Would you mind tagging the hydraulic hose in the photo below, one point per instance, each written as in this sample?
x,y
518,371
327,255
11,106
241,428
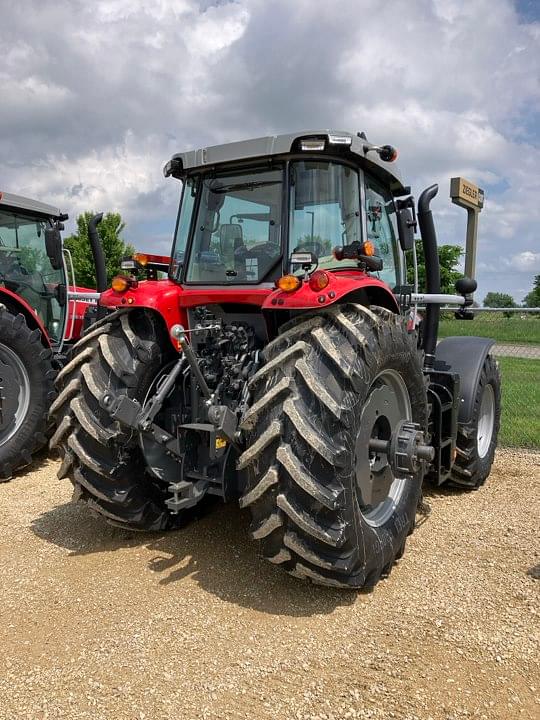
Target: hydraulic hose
x,y
433,275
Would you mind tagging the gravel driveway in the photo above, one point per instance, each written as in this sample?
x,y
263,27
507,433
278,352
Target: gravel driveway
x,y
99,623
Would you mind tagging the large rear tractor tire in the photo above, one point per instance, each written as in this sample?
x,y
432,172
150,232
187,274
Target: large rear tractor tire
x,y
123,353
477,441
26,390
323,505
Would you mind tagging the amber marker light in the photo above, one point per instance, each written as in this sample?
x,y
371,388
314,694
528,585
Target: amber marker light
x,y
141,258
319,280
369,248
288,283
120,283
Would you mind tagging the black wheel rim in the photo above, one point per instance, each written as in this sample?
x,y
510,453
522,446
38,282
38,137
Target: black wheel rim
x,y
16,393
379,490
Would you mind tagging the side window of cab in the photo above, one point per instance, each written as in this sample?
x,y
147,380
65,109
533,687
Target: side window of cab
x,y
382,230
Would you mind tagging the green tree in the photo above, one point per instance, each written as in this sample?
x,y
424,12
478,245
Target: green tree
x,y
448,262
532,299
307,241
114,248
499,300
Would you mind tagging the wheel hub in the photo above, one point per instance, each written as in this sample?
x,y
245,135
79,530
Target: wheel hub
x,y
486,421
388,447
379,417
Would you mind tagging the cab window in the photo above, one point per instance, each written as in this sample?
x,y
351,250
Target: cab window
x,y
382,230
237,234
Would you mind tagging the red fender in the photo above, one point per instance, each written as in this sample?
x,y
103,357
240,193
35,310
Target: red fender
x,y
171,301
76,311
32,319
340,285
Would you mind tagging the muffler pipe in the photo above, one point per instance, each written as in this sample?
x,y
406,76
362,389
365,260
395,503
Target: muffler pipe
x,y
433,275
99,260
97,252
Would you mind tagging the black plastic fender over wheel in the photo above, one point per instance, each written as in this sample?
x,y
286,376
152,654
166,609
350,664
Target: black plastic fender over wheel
x,y
26,392
324,506
477,440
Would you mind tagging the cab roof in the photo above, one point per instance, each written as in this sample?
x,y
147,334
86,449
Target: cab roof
x,y
18,202
353,146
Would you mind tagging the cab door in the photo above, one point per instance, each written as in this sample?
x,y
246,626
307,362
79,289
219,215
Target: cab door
x,y
26,270
381,229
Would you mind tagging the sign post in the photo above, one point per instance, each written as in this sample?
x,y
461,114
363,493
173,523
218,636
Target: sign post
x,y
469,196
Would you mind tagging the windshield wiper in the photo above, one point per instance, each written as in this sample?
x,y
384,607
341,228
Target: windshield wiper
x,y
244,186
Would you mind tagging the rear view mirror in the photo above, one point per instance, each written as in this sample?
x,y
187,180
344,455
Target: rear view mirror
x,y
53,246
405,228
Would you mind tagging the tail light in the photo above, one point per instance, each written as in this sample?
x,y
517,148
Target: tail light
x,y
319,280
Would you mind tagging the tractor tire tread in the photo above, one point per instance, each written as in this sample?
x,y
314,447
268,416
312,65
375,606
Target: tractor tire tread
x,y
296,445
101,458
18,450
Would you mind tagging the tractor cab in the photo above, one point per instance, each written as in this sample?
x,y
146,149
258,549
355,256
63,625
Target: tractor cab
x,y
32,271
315,200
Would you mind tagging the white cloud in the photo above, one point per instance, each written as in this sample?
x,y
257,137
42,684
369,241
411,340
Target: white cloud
x,y
97,96
526,261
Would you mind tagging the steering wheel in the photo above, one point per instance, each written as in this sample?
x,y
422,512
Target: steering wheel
x,y
315,247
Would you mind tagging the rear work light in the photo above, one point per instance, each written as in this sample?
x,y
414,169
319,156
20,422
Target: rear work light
x,y
335,139
289,283
319,280
128,264
312,144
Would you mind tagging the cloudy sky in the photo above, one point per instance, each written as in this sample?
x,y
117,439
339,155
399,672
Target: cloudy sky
x,y
96,96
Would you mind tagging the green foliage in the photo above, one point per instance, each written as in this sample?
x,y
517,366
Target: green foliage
x,y
33,259
499,300
520,421
307,241
532,299
114,248
520,329
448,260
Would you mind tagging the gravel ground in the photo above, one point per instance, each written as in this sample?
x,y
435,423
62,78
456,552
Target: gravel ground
x,y
99,623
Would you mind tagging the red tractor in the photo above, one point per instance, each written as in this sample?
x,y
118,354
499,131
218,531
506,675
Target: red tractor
x,y
277,364
41,315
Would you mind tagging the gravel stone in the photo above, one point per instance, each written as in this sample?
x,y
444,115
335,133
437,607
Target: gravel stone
x,y
100,623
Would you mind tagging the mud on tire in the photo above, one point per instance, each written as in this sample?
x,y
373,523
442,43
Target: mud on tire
x,y
123,352
300,438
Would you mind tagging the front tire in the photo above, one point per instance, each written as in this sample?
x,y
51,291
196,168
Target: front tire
x,y
477,441
27,390
316,402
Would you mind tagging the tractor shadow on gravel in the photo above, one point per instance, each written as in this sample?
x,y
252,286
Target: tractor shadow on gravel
x,y
213,548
